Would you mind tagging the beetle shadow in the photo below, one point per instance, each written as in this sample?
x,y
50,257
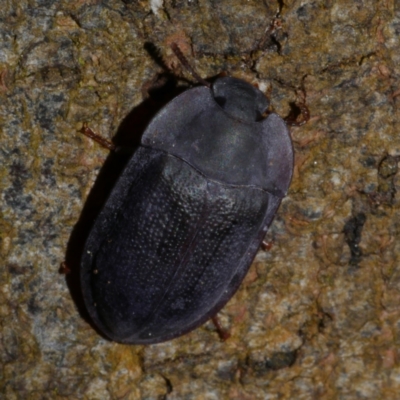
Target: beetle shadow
x,y
127,140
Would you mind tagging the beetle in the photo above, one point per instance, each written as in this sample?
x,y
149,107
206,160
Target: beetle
x,y
184,221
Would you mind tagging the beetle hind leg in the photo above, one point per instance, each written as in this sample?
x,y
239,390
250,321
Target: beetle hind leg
x,y
222,333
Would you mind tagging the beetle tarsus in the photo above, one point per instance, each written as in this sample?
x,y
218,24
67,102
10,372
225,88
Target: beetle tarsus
x,y
222,333
97,138
183,60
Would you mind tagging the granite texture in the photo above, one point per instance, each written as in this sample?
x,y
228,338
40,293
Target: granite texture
x,y
318,315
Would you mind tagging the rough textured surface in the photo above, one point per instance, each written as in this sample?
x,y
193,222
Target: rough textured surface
x,y
318,315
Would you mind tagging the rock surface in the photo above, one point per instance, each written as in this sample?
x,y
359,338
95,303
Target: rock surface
x,y
318,315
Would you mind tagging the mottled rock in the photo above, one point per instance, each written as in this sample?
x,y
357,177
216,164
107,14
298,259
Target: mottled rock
x,y
318,315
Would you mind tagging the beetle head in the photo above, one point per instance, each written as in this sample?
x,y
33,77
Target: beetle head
x,y
240,99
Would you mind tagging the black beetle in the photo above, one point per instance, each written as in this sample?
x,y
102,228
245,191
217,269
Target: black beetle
x,y
188,214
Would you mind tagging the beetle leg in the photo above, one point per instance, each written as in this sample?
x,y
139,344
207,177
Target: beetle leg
x,y
222,333
175,48
266,246
299,109
64,269
97,138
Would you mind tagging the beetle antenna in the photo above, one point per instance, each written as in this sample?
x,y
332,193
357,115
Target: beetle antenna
x,y
183,60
